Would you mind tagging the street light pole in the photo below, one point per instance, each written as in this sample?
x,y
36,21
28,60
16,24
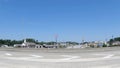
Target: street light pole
x,y
56,41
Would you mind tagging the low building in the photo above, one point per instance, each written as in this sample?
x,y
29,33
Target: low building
x,y
117,43
96,44
50,46
28,45
63,43
4,46
74,46
18,45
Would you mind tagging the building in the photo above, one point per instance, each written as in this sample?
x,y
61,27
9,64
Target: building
x,y
117,43
27,45
96,44
4,46
50,46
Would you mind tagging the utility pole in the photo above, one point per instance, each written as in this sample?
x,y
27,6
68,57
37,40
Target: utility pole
x,y
56,41
83,40
112,37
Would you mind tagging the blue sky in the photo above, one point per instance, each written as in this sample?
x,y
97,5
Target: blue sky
x,y
71,20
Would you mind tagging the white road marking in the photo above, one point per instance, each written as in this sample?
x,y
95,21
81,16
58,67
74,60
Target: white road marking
x,y
37,56
55,60
69,57
99,54
66,59
108,56
8,54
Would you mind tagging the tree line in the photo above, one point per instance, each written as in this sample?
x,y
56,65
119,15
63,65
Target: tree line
x,y
113,40
12,42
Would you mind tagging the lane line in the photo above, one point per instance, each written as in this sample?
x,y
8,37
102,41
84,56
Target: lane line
x,y
8,54
108,56
100,54
55,60
69,57
36,56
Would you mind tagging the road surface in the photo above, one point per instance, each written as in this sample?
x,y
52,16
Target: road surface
x,y
60,58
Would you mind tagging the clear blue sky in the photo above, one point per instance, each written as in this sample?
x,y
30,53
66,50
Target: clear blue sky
x,y
72,20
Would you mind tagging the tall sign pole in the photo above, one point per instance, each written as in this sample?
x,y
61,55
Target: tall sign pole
x,y
56,39
112,37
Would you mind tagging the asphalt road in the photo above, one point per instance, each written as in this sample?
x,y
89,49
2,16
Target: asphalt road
x,y
60,58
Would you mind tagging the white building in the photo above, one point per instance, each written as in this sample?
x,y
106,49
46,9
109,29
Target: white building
x,y
116,43
4,46
28,45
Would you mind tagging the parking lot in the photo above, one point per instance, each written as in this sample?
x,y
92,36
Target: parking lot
x,y
60,58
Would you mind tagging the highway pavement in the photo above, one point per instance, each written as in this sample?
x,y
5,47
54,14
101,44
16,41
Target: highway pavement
x,y
60,58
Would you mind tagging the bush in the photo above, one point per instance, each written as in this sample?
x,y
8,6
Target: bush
x,y
104,45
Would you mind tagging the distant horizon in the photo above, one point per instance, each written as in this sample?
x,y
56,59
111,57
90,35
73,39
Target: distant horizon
x,y
71,20
61,41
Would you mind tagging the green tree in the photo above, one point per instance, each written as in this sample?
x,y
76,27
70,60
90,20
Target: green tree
x,y
31,40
